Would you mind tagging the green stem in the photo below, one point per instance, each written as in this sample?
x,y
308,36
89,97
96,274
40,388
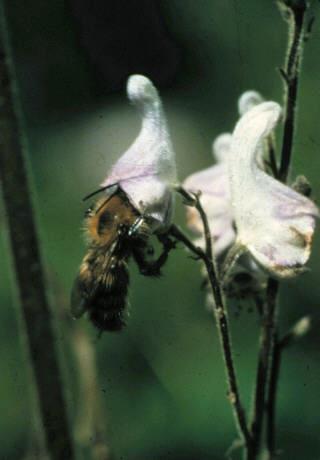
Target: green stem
x,y
34,303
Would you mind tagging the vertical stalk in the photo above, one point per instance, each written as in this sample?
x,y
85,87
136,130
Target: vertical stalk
x,y
35,308
266,348
271,400
295,14
220,316
90,428
222,322
291,73
298,331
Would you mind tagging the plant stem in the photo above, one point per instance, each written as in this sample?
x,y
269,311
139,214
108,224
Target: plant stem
x,y
291,75
296,14
280,344
267,344
90,429
271,400
34,303
221,321
233,254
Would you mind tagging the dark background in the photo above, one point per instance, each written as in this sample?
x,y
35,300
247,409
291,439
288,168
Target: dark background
x,y
162,379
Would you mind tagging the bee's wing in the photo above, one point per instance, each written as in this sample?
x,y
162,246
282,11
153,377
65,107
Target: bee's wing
x,y
94,267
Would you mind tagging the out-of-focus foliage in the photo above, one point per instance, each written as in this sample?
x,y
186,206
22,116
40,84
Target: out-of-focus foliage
x,y
162,379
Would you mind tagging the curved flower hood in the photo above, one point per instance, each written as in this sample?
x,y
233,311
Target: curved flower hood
x,y
213,183
146,172
274,222
248,100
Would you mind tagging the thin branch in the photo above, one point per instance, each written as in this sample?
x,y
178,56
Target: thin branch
x,y
38,322
291,72
233,254
221,320
298,331
180,236
266,348
296,15
272,399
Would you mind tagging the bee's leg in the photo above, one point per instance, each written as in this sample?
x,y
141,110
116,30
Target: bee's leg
x,y
153,267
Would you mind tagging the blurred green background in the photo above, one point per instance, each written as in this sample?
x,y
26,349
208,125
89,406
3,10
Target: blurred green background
x,y
161,380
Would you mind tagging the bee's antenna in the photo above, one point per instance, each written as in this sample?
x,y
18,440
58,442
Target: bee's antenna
x,y
98,191
104,203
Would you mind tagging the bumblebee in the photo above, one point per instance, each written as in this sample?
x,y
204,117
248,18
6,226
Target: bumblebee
x,y
115,231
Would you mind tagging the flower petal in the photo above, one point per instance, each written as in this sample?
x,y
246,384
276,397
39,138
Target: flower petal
x,y
213,184
147,170
248,100
221,147
274,222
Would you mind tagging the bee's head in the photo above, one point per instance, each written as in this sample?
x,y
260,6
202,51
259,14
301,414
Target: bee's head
x,y
114,217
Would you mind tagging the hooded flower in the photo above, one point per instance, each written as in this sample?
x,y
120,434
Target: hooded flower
x,y
273,222
213,183
146,172
248,100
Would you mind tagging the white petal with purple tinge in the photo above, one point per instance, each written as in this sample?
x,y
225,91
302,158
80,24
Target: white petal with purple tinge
x,y
273,221
146,172
213,183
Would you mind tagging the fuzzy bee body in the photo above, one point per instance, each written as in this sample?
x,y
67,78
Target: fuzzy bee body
x,y
113,227
115,231
101,288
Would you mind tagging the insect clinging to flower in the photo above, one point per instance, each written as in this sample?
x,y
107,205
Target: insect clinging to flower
x,y
136,202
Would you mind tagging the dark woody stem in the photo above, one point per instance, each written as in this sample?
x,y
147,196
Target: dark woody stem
x,y
290,74
266,346
38,330
220,315
280,344
295,11
272,399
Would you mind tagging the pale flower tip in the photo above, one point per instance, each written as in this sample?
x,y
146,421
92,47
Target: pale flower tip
x,y
140,89
274,222
258,122
221,147
302,327
248,100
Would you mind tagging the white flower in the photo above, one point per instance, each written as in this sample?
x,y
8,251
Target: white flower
x,y
215,198
146,172
213,183
273,222
248,100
